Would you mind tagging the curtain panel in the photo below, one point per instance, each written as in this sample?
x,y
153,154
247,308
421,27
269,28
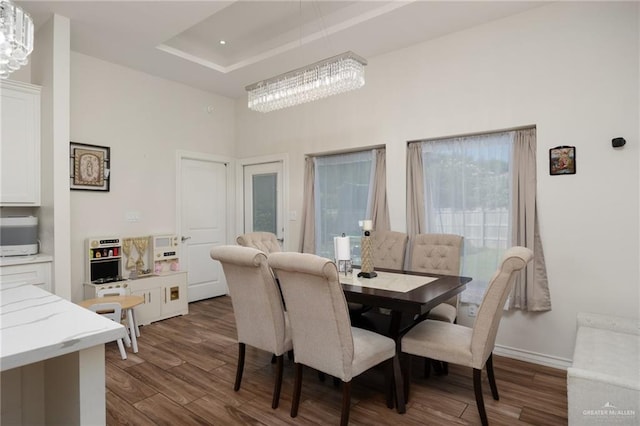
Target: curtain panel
x,y
308,240
416,221
531,288
379,206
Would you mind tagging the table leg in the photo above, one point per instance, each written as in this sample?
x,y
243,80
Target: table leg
x,y
394,325
133,314
132,329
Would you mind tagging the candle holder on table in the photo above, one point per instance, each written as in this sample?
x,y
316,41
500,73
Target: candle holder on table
x,y
366,270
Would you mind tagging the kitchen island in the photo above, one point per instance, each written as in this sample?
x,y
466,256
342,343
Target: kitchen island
x,y
51,358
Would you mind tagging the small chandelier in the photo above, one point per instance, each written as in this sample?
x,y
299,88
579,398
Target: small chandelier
x,y
16,38
328,77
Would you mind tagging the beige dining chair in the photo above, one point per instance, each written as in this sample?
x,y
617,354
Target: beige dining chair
x,y
113,311
438,254
389,249
265,241
261,321
469,346
323,337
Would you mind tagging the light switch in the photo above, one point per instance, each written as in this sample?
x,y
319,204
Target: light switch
x,y
293,215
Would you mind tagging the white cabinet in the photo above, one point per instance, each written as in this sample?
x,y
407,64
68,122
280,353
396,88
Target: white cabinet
x,y
164,296
36,272
20,144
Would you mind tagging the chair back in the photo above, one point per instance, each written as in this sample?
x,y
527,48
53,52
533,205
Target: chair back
x,y
317,309
490,311
436,253
389,249
265,241
104,292
257,305
112,310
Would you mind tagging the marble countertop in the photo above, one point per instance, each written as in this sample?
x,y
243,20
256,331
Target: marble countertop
x,y
36,325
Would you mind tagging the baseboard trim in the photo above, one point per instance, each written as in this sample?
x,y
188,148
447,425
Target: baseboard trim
x,y
532,357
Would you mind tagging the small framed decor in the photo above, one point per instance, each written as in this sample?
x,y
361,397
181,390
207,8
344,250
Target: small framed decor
x,y
562,160
90,167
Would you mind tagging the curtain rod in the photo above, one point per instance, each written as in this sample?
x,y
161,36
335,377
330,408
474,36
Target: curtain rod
x,y
345,151
462,135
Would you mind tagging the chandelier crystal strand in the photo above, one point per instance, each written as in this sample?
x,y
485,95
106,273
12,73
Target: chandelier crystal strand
x,y
16,38
331,76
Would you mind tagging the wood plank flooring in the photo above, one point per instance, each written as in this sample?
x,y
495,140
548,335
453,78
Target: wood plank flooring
x,y
185,370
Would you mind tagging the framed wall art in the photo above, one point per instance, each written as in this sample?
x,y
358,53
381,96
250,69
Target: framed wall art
x,y
562,160
90,167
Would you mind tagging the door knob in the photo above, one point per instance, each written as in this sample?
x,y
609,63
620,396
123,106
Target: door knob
x,y
183,239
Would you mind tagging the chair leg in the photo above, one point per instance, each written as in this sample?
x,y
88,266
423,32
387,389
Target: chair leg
x,y
278,381
241,349
127,340
346,403
389,382
477,387
290,355
406,374
123,353
297,389
492,379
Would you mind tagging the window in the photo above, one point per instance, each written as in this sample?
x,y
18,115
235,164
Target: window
x,y
343,191
467,191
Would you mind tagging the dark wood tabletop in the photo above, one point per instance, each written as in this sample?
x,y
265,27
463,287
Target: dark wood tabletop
x,y
408,304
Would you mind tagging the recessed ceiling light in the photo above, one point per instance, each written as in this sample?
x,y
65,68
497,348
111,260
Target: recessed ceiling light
x,y
222,42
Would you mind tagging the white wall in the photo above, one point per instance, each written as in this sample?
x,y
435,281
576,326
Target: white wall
x,y
144,120
571,69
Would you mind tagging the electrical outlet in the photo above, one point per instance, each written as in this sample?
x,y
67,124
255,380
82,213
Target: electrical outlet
x,y
472,310
132,216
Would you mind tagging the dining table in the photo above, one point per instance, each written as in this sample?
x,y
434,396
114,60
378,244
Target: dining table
x,y
407,296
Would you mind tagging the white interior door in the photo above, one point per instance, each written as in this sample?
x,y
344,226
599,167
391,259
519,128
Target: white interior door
x,y
203,215
264,198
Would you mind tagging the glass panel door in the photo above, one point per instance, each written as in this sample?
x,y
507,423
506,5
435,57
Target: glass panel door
x,y
263,203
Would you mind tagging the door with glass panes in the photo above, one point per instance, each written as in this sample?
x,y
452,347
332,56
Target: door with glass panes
x,y
263,198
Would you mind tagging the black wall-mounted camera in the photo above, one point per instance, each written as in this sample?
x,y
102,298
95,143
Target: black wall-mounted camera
x,y
618,142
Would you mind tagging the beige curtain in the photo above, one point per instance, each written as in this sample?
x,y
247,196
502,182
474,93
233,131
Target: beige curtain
x,y
379,206
531,289
416,221
308,240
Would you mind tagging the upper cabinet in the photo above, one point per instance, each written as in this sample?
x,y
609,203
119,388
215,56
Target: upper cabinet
x,y
20,144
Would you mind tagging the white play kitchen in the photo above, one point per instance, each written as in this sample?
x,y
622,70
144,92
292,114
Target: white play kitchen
x,y
147,266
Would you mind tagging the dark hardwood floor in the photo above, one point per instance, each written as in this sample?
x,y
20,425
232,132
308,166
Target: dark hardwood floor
x,y
185,370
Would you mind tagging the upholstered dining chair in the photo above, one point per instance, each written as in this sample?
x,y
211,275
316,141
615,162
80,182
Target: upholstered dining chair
x,y
113,311
265,241
389,249
261,321
323,338
438,254
469,346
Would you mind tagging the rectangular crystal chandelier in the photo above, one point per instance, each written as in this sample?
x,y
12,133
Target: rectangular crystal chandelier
x,y
332,76
16,38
